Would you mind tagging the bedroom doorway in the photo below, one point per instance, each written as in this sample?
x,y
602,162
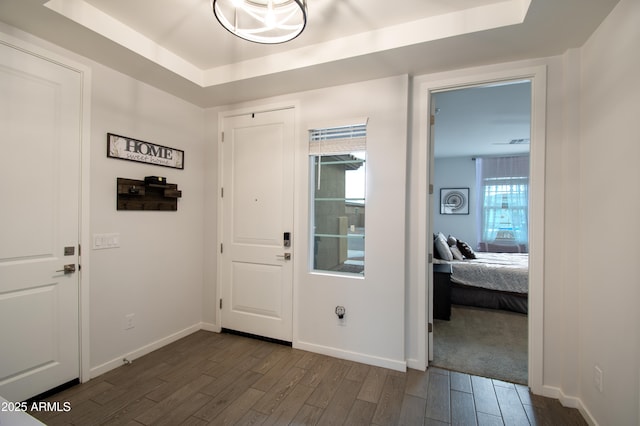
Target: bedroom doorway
x,y
480,205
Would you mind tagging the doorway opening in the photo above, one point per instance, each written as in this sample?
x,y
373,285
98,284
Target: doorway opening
x,y
480,207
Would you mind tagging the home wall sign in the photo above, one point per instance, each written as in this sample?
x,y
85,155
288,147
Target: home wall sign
x,y
125,148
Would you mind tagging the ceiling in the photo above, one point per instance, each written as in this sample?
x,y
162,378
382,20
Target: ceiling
x,y
179,47
482,121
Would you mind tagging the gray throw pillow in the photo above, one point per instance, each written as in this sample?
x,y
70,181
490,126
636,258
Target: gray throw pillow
x,y
442,247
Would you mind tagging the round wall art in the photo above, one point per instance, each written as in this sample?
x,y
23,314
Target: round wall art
x,y
454,201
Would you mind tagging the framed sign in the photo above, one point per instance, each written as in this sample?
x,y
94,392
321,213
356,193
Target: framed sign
x,y
125,148
454,201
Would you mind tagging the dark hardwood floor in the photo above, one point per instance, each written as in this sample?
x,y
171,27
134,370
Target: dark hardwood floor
x,y
210,378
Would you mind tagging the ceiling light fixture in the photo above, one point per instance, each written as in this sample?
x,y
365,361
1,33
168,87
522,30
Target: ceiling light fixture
x,y
262,21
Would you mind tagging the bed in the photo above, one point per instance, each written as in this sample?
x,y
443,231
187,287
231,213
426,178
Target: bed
x,y
491,280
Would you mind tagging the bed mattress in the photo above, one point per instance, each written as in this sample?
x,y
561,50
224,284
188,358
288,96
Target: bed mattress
x,y
507,272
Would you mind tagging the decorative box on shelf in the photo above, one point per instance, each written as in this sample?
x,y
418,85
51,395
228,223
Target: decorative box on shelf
x,y
148,194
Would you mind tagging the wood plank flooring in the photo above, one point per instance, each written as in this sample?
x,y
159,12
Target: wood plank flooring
x,y
223,379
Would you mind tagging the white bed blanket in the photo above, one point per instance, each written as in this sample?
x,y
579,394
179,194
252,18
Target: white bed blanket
x,y
494,271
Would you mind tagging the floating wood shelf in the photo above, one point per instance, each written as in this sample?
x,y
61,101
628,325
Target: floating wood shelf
x,y
137,195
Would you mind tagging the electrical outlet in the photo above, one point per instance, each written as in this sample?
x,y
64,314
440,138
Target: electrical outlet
x,y
129,323
340,312
598,378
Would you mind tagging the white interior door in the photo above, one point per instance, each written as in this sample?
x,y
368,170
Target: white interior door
x,y
257,181
39,169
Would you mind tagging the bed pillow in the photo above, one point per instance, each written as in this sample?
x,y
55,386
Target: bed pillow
x,y
457,254
466,250
452,241
442,248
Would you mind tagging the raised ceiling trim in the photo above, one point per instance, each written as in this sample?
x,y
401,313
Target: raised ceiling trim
x,y
481,18
101,23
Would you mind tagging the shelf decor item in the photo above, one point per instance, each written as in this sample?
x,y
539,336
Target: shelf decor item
x,y
125,148
147,194
454,201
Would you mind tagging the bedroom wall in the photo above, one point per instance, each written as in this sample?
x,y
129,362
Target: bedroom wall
x,y
458,172
157,272
609,335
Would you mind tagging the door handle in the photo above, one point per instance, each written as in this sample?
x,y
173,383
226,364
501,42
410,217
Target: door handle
x,y
68,269
286,256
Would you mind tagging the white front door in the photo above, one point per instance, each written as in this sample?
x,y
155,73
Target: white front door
x,y
39,219
257,181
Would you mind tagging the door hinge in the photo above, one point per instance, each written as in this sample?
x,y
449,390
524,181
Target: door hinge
x,y
79,250
222,136
430,258
220,303
221,248
433,119
221,192
429,326
430,189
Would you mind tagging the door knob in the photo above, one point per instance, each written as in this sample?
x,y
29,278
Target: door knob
x,y
68,269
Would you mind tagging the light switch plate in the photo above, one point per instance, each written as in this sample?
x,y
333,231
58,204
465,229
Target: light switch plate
x,y
106,241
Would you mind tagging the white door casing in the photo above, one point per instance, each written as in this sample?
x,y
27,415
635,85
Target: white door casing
x,y
424,89
40,112
257,198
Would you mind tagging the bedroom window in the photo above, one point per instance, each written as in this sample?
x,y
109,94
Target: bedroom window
x,y
337,158
503,197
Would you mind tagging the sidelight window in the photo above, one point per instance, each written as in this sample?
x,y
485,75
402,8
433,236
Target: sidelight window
x,y
338,198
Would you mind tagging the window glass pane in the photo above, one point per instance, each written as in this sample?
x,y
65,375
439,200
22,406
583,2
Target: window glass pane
x,y
338,212
505,212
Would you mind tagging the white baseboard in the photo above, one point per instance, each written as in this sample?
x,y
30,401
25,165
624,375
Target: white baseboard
x,y
415,364
117,362
206,326
391,364
569,401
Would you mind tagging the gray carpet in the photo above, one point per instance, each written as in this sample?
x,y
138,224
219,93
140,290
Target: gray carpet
x,y
482,342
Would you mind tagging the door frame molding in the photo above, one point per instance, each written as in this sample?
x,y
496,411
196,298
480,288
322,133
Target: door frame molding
x,y
27,44
427,85
222,115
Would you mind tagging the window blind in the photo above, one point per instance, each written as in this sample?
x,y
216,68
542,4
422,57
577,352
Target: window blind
x,y
338,140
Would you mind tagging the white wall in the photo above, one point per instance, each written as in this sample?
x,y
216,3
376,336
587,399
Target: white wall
x,y
560,269
591,203
157,273
373,330
457,172
210,314
590,303
609,277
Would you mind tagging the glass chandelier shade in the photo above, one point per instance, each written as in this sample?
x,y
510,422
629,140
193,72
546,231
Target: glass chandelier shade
x,y
262,21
